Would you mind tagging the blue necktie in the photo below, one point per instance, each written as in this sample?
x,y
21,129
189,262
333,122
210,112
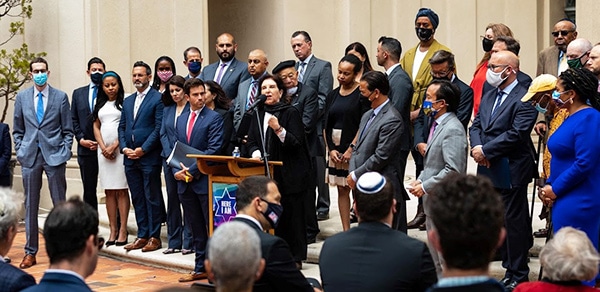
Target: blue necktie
x,y
40,108
498,101
367,125
94,94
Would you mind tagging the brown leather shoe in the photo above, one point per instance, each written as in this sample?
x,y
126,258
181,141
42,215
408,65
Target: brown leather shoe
x,y
193,276
152,245
137,244
28,261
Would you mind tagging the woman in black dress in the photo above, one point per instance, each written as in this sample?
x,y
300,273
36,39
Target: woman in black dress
x,y
284,140
216,100
344,108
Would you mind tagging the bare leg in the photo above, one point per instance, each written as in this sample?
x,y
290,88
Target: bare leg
x,y
123,201
111,210
344,206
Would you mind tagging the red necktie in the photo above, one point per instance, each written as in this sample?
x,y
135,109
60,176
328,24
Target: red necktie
x,y
191,126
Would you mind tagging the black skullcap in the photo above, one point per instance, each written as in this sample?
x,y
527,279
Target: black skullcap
x,y
283,65
433,17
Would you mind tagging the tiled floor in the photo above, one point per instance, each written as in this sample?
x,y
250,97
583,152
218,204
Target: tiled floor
x,y
110,274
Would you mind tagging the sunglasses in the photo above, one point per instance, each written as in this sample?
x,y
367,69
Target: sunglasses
x,y
561,32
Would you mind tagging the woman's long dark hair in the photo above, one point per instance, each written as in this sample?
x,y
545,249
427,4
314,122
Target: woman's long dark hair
x,y
221,100
166,97
102,98
156,80
360,48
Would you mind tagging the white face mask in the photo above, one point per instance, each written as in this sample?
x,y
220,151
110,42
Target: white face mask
x,y
495,79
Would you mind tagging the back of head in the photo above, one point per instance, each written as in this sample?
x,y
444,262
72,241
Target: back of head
x,y
67,228
234,256
374,196
512,44
10,207
569,256
468,216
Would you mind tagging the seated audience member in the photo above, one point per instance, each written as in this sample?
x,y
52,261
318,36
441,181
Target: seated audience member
x,y
11,278
467,217
568,259
234,259
373,256
72,244
258,205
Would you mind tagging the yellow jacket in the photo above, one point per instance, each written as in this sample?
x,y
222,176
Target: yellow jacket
x,y
423,76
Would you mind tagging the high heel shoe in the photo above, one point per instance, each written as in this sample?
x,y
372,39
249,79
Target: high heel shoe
x,y
122,243
110,242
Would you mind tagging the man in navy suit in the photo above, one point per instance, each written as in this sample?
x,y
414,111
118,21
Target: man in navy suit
x,y
73,255
316,74
501,145
12,279
201,128
139,140
43,135
373,256
82,106
229,72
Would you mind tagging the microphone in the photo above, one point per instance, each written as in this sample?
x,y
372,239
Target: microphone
x,y
259,100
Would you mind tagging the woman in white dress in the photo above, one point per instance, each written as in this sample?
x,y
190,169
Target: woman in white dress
x,y
107,114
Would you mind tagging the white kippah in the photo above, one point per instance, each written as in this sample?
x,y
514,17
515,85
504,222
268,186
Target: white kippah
x,y
370,183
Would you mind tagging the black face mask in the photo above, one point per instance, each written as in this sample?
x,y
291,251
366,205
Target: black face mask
x,y
273,213
424,34
96,77
487,44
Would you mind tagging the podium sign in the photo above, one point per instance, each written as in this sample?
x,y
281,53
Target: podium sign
x,y
223,203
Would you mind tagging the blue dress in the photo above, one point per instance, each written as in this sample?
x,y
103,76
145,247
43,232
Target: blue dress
x,y
575,173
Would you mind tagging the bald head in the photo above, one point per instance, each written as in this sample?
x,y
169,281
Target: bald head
x,y
578,50
507,57
257,63
506,63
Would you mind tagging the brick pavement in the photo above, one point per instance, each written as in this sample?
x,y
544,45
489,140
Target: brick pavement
x,y
110,274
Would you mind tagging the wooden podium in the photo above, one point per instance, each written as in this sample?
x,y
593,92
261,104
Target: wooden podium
x,y
227,170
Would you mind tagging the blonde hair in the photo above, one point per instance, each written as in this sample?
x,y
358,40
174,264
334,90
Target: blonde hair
x,y
569,256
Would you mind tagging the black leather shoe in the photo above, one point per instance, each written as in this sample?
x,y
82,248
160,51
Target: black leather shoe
x,y
505,281
417,221
511,286
542,233
322,216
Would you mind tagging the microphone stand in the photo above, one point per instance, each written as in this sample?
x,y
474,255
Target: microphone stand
x,y
265,155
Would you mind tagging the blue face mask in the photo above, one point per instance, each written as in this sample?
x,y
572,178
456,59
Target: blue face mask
x,y
194,67
428,108
40,78
556,98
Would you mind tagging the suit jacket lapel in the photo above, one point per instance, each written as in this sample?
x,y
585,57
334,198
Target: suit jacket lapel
x,y
309,68
437,131
227,73
504,104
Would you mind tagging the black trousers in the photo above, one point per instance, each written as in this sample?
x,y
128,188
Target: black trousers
x,y
88,168
292,226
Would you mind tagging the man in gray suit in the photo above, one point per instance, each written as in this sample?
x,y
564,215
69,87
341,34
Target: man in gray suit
x,y
229,72
43,135
315,73
379,135
445,150
248,89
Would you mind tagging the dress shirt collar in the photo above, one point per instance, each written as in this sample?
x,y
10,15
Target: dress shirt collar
x,y
226,63
248,217
390,69
145,92
68,272
441,118
44,91
378,109
307,60
292,91
509,88
461,281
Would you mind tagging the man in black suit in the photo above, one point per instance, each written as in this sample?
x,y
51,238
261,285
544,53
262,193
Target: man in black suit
x,y
501,145
258,205
229,72
467,214
12,279
304,99
192,59
315,73
372,256
82,106
401,92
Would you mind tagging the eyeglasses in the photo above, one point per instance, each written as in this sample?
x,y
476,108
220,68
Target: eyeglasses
x,y
493,67
439,74
561,32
